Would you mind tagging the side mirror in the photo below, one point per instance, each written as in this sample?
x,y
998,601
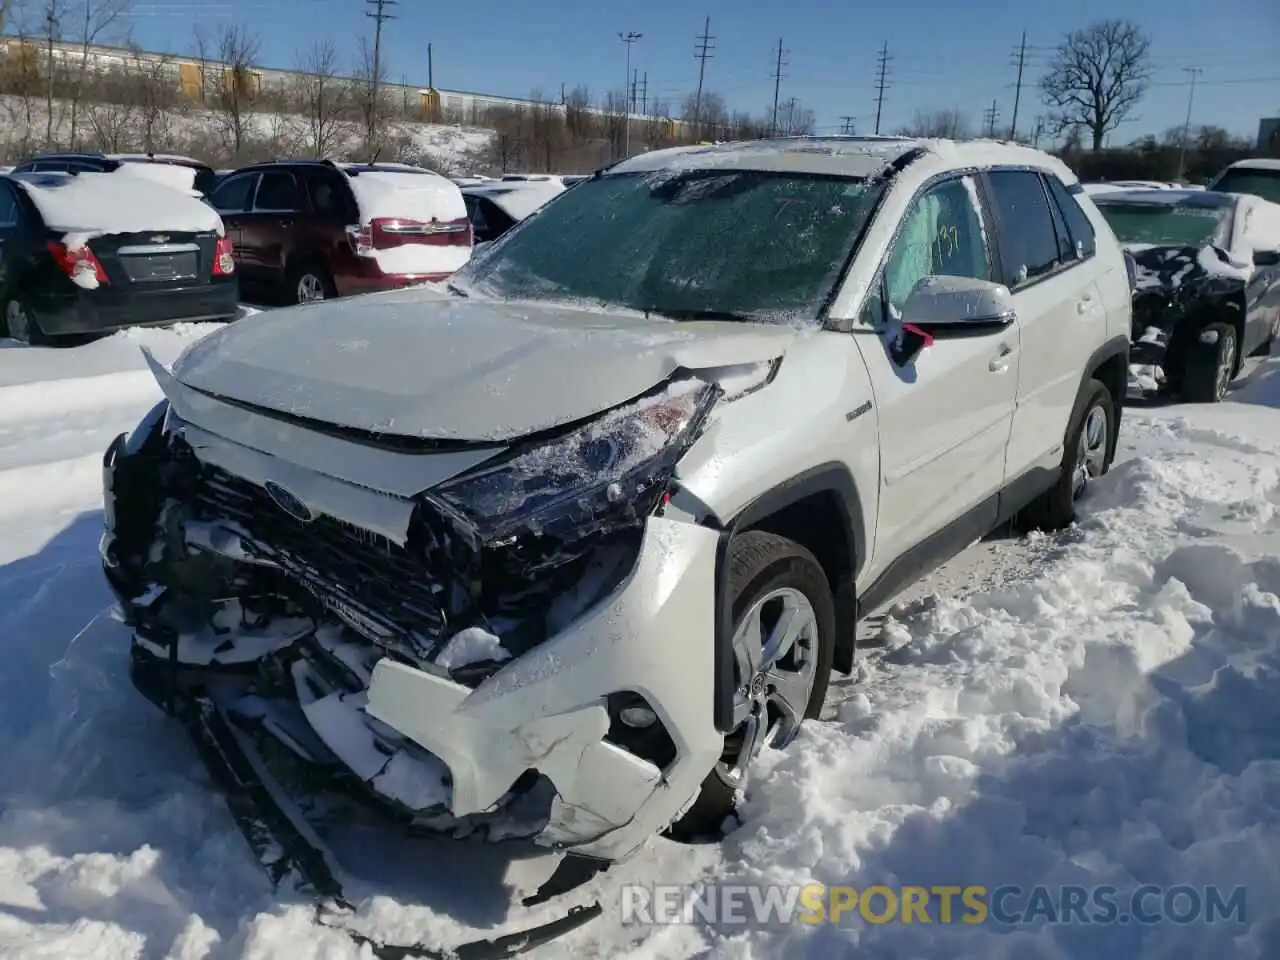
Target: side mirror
x,y
1266,258
943,307
959,306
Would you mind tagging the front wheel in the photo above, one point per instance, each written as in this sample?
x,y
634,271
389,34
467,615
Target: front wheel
x,y
1211,364
310,283
783,644
20,325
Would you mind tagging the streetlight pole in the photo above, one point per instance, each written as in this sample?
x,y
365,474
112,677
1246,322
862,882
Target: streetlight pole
x,y
628,92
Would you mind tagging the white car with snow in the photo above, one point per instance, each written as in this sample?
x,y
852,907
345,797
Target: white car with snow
x,y
91,253
1257,176
556,550
497,206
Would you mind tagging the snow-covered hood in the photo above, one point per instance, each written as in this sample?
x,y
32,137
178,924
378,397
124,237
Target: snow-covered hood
x,y
420,363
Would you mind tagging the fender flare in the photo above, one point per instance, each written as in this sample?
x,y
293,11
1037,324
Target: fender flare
x,y
828,478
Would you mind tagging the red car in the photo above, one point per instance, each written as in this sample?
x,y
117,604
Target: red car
x,y
306,230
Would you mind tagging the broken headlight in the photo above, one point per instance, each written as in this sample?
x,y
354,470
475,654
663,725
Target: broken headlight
x,y
610,472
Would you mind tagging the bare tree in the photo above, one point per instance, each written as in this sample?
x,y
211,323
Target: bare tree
x,y
324,97
1097,76
229,82
711,113
154,97
947,124
53,28
94,18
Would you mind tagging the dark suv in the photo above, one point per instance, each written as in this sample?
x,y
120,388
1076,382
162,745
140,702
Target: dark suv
x,y
202,179
308,230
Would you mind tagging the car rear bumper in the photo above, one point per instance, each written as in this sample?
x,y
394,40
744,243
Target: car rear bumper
x,y
104,310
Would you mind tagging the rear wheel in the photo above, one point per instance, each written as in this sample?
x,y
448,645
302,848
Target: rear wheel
x,y
1086,455
783,643
310,283
1211,363
20,325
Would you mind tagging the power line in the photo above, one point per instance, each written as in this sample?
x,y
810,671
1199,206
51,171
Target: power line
x,y
702,55
989,117
777,83
1017,93
882,81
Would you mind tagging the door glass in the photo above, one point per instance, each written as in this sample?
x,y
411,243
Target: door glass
x,y
8,208
278,192
233,195
1028,240
942,235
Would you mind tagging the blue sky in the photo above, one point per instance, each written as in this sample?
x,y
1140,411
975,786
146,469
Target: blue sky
x,y
945,55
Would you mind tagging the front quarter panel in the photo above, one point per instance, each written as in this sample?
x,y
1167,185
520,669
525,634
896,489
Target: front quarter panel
x,y
818,411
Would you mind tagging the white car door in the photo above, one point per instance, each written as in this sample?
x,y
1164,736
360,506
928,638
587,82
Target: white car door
x,y
1051,271
944,418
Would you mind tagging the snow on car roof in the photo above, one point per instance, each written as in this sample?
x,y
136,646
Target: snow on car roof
x,y
518,199
92,204
1255,163
155,158
1166,197
403,191
845,156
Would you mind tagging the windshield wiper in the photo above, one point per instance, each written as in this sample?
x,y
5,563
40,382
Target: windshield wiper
x,y
456,290
688,315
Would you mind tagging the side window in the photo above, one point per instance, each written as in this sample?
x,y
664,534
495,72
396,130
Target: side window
x,y
1083,240
277,192
8,207
328,194
941,235
1028,240
496,220
50,166
1066,249
235,193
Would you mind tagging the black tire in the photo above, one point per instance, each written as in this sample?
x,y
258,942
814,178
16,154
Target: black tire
x,y
35,337
308,269
760,563
1209,368
1055,509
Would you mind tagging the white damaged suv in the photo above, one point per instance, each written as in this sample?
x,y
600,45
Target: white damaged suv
x,y
551,552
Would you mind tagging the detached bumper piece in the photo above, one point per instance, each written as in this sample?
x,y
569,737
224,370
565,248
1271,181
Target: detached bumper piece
x,y
287,848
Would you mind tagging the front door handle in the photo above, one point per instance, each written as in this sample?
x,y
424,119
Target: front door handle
x,y
1000,362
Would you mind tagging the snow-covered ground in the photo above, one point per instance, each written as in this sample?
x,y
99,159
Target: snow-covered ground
x,y
1099,707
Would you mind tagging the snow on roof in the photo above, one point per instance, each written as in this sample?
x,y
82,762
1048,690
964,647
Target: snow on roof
x,y
847,156
1163,196
1256,163
518,199
155,158
88,205
176,176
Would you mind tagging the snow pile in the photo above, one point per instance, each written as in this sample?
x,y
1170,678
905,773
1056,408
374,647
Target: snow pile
x,y
1106,711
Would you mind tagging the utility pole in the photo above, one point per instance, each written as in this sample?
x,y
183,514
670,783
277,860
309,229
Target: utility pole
x,y
1037,132
777,83
846,126
644,93
1017,90
1186,126
991,115
882,81
702,55
380,16
51,23
564,99
628,38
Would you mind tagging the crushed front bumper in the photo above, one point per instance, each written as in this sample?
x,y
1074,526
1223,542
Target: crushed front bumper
x,y
547,713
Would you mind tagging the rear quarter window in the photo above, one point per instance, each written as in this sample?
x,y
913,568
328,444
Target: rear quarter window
x,y
1079,227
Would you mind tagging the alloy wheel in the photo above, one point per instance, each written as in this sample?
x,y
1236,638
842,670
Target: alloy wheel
x,y
18,322
775,649
1091,450
1226,364
310,288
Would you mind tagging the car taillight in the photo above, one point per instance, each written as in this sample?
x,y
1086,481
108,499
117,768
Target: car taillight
x,y
78,263
386,233
224,263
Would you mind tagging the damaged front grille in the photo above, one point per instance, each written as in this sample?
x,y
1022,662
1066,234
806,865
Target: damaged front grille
x,y
382,590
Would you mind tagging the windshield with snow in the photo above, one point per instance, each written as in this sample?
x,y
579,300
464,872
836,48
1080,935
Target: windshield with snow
x,y
713,244
1258,183
1165,226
